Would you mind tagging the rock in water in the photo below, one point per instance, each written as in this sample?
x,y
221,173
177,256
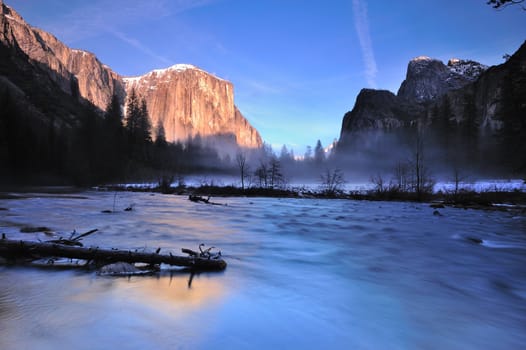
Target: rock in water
x,y
119,268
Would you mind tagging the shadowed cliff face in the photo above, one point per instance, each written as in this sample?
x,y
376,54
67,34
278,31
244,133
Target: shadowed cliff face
x,y
190,102
428,82
467,112
187,100
77,72
429,78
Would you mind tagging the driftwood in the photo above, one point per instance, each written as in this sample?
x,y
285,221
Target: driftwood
x,y
13,250
72,240
197,199
203,253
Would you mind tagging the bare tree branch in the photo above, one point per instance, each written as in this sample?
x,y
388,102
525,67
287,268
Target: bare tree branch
x,y
501,4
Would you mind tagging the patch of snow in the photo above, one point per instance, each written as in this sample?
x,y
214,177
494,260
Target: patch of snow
x,y
181,67
484,185
421,58
131,80
466,68
84,53
12,18
176,67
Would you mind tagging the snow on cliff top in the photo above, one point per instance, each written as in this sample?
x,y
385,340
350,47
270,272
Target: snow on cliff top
x,y
467,68
422,58
181,67
176,67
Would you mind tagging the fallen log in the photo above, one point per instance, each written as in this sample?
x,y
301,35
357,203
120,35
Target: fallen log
x,y
73,241
198,199
15,249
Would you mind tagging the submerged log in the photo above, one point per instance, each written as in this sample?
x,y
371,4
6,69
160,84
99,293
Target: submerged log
x,y
199,199
14,249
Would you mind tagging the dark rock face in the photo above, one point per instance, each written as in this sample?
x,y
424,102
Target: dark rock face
x,y
460,106
428,78
77,72
374,109
428,82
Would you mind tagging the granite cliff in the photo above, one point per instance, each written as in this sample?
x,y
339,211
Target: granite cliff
x,y
429,78
427,81
462,107
188,101
77,72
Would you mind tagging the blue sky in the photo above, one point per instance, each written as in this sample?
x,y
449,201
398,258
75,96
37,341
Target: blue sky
x,y
297,66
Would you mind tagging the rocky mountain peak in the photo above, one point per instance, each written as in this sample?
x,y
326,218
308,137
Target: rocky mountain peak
x,y
191,102
467,68
373,110
187,100
9,12
77,72
428,78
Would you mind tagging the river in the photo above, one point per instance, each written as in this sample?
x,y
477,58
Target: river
x,y
302,274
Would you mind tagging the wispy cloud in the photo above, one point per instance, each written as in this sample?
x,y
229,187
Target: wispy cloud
x,y
261,87
115,17
141,47
361,23
97,17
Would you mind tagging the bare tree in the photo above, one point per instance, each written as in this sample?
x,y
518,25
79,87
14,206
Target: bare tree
x,y
269,174
401,176
275,176
261,174
379,183
332,182
241,161
422,182
498,4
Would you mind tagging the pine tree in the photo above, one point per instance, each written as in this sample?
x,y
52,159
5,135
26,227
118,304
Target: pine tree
x,y
113,116
319,153
470,129
160,135
444,129
114,143
145,126
132,120
138,127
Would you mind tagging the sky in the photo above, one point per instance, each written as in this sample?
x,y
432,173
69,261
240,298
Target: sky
x,y
296,65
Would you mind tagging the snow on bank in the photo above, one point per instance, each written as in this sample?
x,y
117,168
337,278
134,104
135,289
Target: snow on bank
x,y
487,185
501,185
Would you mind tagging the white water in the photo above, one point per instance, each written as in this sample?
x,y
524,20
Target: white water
x,y
302,273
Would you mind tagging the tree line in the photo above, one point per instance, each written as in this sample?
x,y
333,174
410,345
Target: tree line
x,y
93,148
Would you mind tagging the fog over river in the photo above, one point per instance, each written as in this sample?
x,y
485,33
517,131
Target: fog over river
x,y
302,274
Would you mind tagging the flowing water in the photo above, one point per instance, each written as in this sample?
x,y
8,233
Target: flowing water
x,y
302,273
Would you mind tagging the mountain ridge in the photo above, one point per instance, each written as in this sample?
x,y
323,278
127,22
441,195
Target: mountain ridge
x,y
80,74
453,102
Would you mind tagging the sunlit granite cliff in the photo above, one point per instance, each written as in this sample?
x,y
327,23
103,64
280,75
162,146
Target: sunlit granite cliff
x,y
188,101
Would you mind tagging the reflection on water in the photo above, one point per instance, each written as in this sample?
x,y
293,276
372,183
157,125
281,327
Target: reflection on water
x,y
50,309
304,274
174,290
